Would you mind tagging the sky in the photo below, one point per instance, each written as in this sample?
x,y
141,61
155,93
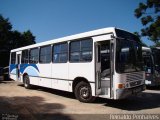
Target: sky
x,y
51,19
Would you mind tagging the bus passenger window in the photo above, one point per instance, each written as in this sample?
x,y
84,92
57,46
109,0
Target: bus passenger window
x,y
86,50
81,50
60,53
75,51
45,54
24,56
13,58
33,55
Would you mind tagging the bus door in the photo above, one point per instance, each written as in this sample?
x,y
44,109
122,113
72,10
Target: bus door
x,y
98,68
18,62
104,56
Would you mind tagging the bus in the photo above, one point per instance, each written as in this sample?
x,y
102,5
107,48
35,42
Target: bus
x,y
148,65
151,58
156,56
103,63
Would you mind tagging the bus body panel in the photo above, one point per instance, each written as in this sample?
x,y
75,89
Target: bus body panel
x,y
45,74
13,76
84,70
34,80
45,70
60,71
12,69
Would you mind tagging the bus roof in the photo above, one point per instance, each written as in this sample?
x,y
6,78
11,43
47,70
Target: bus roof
x,y
71,37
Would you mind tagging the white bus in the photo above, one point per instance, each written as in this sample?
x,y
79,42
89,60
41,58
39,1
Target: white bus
x,y
101,63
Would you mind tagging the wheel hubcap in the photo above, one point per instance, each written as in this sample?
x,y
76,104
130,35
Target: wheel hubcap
x,y
84,92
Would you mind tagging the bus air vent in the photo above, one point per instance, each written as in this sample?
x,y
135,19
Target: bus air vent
x,y
134,77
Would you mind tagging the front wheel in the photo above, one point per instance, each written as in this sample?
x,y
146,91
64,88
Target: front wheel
x,y
83,92
27,82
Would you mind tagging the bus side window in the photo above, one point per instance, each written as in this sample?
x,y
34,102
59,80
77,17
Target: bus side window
x,y
60,53
86,50
45,54
81,50
13,57
33,55
24,56
75,51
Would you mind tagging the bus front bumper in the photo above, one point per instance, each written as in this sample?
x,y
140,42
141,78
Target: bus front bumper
x,y
124,93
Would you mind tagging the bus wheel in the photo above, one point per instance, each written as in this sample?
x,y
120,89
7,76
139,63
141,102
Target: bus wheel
x,y
83,92
27,82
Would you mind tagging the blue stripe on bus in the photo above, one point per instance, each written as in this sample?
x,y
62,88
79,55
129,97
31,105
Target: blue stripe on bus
x,y
12,66
23,67
30,69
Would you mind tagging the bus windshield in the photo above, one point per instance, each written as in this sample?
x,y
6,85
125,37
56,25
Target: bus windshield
x,y
128,54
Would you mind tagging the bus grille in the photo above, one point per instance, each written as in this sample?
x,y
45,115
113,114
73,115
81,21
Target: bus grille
x,y
134,77
136,83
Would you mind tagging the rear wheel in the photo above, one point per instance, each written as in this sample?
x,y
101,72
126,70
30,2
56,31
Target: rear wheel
x,y
83,92
27,82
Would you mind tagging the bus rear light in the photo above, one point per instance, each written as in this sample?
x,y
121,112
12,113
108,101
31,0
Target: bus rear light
x,y
120,85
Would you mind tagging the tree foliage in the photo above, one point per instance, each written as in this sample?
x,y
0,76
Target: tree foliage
x,y
11,39
149,14
137,34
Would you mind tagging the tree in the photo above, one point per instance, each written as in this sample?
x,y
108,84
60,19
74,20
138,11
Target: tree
x,y
11,39
149,13
5,30
137,34
18,39
28,38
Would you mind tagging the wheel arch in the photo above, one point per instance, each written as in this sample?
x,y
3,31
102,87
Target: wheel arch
x,y
78,80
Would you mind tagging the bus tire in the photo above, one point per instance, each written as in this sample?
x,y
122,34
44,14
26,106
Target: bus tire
x,y
83,92
27,82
